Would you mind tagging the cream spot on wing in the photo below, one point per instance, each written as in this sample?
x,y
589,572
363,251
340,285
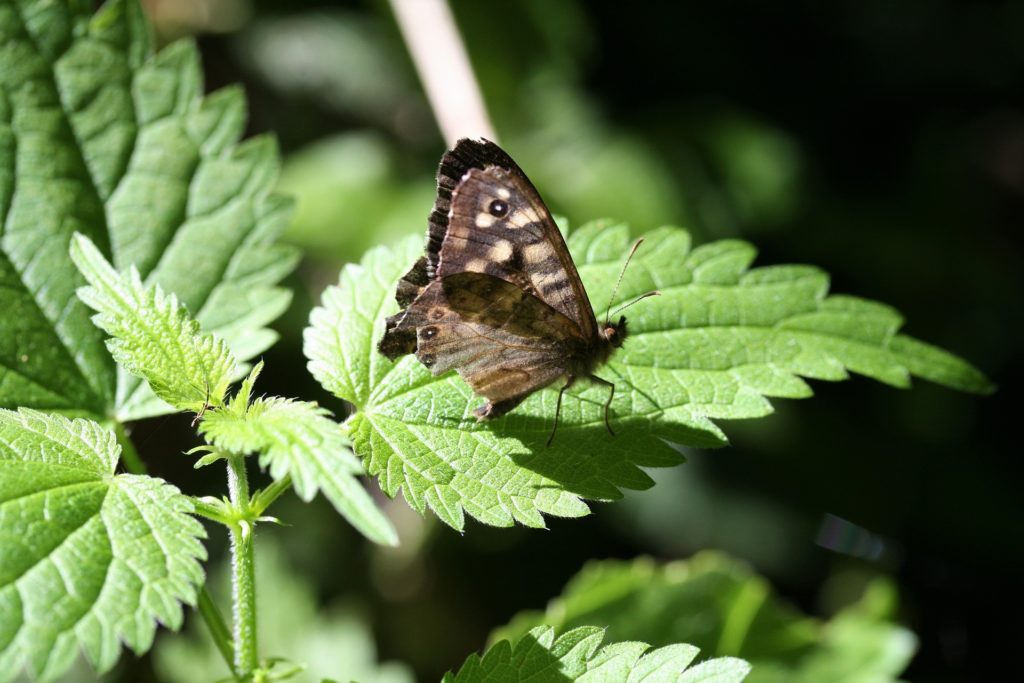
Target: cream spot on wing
x,y
501,251
476,265
545,283
522,218
536,252
503,193
484,220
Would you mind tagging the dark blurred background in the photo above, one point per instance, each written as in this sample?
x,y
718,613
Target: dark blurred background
x,y
882,141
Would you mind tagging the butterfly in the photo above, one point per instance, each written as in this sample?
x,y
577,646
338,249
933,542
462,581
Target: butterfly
x,y
497,296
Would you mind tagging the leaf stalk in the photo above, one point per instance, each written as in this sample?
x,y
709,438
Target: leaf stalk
x,y
263,498
218,629
129,456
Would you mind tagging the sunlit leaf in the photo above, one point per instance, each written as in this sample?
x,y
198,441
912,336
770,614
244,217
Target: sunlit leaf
x,y
577,655
298,438
152,336
721,340
90,559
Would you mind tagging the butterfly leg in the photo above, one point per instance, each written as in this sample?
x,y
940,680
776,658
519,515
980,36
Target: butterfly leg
x,y
608,403
558,409
202,411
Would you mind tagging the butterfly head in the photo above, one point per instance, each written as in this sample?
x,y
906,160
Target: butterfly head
x,y
614,334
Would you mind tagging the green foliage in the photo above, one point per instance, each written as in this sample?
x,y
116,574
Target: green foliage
x,y
157,340
721,340
153,337
100,136
298,439
720,606
90,559
350,196
329,641
539,656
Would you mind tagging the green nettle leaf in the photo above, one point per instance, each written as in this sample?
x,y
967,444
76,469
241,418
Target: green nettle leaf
x,y
299,439
90,559
152,336
721,340
576,655
99,135
719,605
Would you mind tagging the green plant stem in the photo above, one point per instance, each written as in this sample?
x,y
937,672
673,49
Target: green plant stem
x,y
238,483
218,628
207,608
129,456
243,575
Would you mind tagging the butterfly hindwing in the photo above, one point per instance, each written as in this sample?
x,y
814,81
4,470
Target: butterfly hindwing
x,y
491,302
503,341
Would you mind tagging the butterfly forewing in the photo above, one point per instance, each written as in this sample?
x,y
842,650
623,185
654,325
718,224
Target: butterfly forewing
x,y
521,244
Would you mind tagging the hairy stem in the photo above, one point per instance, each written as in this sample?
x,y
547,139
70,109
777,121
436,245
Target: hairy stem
x,y
207,608
243,575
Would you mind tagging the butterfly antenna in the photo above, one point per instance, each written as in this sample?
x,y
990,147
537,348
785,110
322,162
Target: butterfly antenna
x,y
639,298
615,290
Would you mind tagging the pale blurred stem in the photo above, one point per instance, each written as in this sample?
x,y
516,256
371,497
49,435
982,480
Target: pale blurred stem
x,y
243,575
440,57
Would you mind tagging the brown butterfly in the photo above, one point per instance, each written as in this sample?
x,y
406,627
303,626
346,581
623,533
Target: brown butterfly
x,y
497,296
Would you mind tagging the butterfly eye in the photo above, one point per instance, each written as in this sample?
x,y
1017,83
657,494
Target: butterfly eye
x,y
498,208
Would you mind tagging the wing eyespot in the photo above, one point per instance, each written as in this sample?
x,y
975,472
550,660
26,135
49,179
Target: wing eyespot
x,y
498,208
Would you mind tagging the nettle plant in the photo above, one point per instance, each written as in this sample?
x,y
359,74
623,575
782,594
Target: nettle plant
x,y
139,272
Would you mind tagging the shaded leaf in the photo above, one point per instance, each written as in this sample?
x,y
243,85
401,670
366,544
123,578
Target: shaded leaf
x,y
719,605
99,135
